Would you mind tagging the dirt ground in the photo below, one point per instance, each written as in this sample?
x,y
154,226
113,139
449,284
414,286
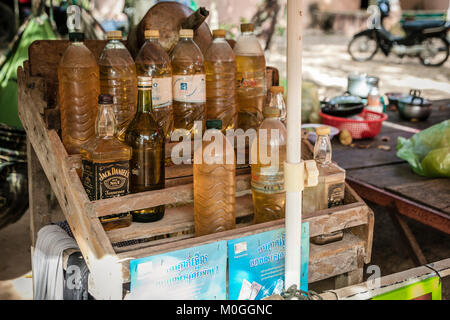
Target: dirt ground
x,y
326,63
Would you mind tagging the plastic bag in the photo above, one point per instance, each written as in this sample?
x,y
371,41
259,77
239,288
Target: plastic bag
x,y
428,152
310,103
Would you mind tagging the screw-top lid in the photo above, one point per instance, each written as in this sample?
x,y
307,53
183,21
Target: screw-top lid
x,y
271,112
277,89
323,131
247,27
76,37
145,82
186,33
105,99
114,35
214,124
151,34
219,33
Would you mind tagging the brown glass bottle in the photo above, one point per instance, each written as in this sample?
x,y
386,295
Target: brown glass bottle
x,y
147,140
106,164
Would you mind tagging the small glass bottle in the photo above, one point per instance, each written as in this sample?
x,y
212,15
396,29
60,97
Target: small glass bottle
x,y
147,140
277,101
374,101
153,61
106,164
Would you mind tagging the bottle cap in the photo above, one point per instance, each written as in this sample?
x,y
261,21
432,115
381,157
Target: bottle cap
x,y
247,27
186,33
214,124
271,112
323,131
145,82
114,35
219,33
76,37
276,89
105,99
151,34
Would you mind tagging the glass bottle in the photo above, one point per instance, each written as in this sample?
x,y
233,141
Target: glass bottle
x,y
250,77
118,78
277,101
374,100
153,61
268,156
147,141
220,65
189,83
106,164
331,187
214,182
78,78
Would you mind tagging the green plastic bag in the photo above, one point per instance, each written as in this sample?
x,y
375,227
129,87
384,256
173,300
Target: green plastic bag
x,y
428,152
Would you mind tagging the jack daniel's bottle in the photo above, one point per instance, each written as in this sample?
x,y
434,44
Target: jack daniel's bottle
x,y
106,164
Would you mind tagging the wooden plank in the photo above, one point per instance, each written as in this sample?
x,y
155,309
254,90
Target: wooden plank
x,y
325,261
434,193
355,158
90,236
386,176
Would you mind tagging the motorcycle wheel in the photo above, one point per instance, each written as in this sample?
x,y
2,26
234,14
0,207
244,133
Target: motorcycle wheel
x,y
363,48
436,53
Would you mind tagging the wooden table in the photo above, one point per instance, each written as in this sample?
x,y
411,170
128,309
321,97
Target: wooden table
x,y
380,177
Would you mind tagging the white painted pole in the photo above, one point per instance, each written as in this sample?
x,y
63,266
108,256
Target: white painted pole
x,y
294,119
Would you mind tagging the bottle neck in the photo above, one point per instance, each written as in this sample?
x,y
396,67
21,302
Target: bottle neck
x,y
144,100
276,99
106,124
153,40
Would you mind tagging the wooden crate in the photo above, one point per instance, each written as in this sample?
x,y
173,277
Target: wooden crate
x,y
107,254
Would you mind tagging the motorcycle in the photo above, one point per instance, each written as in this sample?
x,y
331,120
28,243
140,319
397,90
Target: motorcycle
x,y
424,39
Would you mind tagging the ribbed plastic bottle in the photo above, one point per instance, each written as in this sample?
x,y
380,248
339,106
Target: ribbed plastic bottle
x,y
251,83
189,83
220,65
268,157
214,183
118,78
153,61
79,88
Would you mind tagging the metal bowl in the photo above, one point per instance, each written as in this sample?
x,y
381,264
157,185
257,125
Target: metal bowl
x,y
414,107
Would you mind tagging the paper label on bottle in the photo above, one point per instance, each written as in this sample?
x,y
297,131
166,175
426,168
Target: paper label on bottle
x,y
105,181
189,88
162,92
268,181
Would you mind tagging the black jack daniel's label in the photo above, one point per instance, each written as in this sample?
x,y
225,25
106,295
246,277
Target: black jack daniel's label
x,y
106,180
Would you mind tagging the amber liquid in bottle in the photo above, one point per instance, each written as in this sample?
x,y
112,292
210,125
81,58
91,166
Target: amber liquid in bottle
x,y
153,61
189,84
220,65
147,140
118,78
78,77
250,79
214,184
269,196
106,164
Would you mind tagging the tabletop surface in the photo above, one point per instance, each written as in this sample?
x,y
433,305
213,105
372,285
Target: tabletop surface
x,y
365,162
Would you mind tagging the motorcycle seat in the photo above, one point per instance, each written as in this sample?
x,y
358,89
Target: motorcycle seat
x,y
423,24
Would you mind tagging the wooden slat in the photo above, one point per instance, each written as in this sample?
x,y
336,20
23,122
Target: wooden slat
x,y
91,238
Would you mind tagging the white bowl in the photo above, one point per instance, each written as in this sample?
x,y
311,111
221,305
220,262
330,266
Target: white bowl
x,y
312,137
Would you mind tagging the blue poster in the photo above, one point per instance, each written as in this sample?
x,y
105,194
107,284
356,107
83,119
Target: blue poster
x,y
256,264
191,274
